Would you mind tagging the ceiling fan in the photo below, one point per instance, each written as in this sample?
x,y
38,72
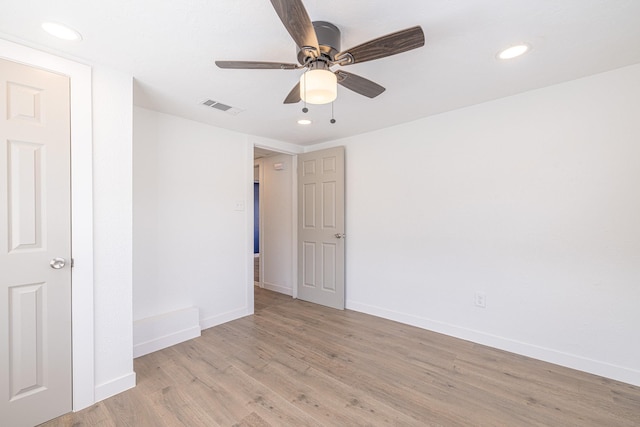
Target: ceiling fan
x,y
318,46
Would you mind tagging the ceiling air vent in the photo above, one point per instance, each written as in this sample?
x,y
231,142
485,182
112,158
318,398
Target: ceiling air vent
x,y
220,106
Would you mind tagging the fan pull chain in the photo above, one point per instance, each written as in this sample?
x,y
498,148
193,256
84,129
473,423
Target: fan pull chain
x,y
333,120
304,90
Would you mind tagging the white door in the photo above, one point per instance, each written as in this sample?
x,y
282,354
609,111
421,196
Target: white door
x,y
321,233
35,245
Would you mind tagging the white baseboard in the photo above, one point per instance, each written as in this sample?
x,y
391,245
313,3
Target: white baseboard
x,y
209,322
278,288
158,332
618,373
116,386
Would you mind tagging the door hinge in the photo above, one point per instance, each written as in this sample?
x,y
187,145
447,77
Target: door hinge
x,y
71,262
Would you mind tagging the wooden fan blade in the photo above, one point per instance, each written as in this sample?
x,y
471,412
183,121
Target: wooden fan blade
x,y
391,44
359,84
296,20
294,95
255,65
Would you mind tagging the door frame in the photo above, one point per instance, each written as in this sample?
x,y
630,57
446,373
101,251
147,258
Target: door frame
x,y
82,308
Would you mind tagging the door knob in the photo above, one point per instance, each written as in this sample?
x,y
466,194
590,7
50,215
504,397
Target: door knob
x,y
340,235
57,263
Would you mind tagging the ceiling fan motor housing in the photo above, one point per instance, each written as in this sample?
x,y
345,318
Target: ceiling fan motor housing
x,y
328,38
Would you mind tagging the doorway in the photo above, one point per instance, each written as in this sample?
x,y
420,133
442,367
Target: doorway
x,y
256,224
276,225
302,197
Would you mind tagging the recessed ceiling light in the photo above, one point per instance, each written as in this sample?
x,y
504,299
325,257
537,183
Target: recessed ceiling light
x,y
514,51
61,31
304,122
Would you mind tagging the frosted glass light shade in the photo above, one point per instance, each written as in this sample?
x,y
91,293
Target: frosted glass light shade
x,y
318,87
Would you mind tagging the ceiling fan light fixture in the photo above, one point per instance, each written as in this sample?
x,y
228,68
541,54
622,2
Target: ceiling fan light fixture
x,y
318,87
514,51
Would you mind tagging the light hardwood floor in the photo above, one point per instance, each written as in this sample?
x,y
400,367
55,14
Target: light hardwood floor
x,y
299,364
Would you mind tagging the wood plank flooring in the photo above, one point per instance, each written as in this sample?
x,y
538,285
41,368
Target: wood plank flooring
x,y
298,364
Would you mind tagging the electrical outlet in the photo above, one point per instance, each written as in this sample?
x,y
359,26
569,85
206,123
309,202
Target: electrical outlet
x,y
481,300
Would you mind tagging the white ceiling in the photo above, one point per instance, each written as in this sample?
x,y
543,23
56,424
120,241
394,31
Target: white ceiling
x,y
169,47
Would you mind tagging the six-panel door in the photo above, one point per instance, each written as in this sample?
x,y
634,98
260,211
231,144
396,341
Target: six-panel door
x,y
35,245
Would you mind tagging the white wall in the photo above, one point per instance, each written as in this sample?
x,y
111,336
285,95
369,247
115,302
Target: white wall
x,y
278,223
192,244
112,214
532,200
